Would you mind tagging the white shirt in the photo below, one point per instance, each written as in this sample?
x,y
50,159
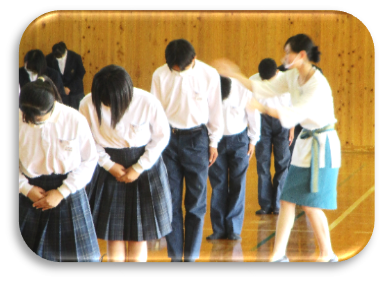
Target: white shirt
x,y
191,98
237,116
312,107
276,101
143,124
32,75
62,62
64,144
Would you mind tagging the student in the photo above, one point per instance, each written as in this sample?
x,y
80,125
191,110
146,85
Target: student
x,y
57,156
35,65
71,69
228,174
129,193
189,91
273,136
312,178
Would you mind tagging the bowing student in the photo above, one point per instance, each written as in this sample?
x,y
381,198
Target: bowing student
x,y
189,91
129,193
57,157
70,67
274,138
312,178
35,65
228,174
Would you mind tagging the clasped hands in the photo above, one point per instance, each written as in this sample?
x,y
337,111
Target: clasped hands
x,y
44,200
122,174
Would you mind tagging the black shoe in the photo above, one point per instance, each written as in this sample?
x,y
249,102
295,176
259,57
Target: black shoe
x,y
216,236
263,211
189,260
234,236
334,258
176,260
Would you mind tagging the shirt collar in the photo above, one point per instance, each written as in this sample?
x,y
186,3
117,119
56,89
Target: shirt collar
x,y
64,58
56,113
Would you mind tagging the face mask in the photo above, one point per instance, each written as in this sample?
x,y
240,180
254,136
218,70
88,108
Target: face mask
x,y
287,66
185,72
39,125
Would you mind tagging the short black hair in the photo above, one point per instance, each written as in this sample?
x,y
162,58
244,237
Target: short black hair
x,y
113,87
302,42
225,87
267,68
36,62
179,52
37,98
59,49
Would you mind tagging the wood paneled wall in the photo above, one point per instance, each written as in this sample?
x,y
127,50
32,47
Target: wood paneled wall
x,y
136,40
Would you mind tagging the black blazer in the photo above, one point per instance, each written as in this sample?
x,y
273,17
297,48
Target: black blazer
x,y
73,72
51,73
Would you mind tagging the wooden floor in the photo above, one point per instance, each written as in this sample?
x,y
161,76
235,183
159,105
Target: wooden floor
x,y
351,225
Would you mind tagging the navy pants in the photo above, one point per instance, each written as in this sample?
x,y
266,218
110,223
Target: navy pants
x,y
187,158
273,138
228,181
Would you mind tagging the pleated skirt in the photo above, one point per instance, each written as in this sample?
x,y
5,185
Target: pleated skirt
x,y
297,185
65,233
137,211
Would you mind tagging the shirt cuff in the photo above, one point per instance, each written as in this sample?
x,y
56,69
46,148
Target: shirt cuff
x,y
213,144
253,141
25,189
64,190
108,164
138,168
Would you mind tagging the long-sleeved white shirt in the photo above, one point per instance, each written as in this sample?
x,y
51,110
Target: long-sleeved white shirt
x,y
64,144
312,107
276,101
62,62
237,116
143,124
191,98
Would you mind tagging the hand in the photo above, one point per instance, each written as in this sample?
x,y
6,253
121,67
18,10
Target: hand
x,y
213,154
67,90
254,104
36,193
291,136
51,200
130,176
250,152
226,67
117,170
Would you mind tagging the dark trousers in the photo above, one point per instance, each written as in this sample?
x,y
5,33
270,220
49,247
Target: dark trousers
x,y
187,157
273,137
228,181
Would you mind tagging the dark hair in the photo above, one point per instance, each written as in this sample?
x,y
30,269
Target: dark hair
x,y
59,49
225,87
113,87
37,98
179,52
302,42
36,62
267,68
282,68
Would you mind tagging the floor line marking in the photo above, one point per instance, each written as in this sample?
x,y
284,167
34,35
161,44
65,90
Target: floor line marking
x,y
302,213
350,209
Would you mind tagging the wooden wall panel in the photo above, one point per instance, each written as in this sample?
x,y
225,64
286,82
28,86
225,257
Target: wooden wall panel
x,y
136,40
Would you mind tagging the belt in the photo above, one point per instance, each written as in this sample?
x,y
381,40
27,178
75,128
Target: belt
x,y
315,148
188,131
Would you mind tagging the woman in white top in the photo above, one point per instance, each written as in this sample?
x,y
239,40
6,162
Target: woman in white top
x,y
57,157
312,178
129,193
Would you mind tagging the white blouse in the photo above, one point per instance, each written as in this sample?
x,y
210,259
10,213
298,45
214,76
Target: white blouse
x,y
191,98
63,144
312,107
143,124
237,116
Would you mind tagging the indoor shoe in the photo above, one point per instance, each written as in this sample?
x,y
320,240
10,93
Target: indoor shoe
x,y
282,259
234,236
334,258
276,212
216,236
262,211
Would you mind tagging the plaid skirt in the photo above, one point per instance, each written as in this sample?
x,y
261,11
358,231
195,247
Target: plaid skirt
x,y
64,233
137,211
